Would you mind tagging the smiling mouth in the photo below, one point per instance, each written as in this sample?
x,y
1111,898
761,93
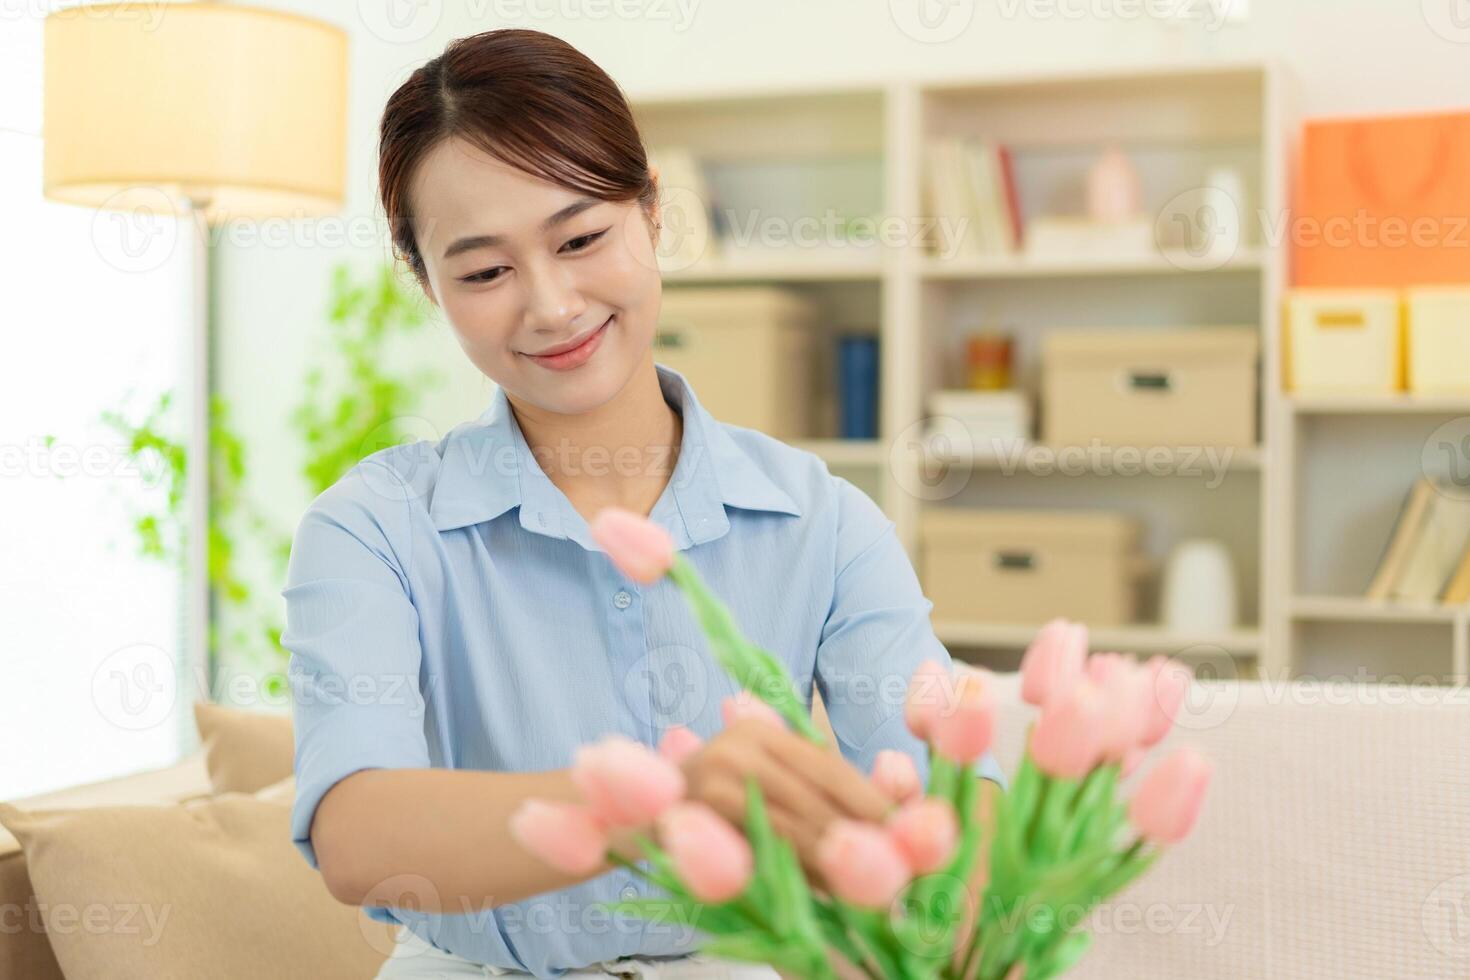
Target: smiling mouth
x,y
572,344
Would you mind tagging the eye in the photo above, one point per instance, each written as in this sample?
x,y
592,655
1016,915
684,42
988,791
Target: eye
x,y
581,242
487,275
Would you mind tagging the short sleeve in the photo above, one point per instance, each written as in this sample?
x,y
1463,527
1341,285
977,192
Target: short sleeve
x,y
876,635
352,631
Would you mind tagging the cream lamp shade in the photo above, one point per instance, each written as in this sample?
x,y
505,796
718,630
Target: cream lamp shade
x,y
238,109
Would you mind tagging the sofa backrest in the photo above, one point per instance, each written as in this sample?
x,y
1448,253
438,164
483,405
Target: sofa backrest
x,y
1334,841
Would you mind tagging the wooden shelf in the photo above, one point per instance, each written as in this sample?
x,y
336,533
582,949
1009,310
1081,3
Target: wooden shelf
x,y
1355,609
1140,638
1401,403
1167,262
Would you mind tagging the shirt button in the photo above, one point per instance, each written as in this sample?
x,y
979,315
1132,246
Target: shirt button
x,y
622,599
629,893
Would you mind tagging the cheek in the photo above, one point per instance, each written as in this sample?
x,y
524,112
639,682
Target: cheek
x,y
481,321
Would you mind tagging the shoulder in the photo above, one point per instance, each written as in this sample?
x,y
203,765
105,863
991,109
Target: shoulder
x,y
823,497
379,495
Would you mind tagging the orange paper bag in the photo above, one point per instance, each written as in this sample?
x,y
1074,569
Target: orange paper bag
x,y
1383,202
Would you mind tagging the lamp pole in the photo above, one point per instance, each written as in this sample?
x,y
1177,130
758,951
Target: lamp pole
x,y
195,669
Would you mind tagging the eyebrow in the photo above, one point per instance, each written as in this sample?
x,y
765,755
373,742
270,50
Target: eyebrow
x,y
487,241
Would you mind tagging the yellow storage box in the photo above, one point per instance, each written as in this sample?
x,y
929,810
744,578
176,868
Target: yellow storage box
x,y
1024,566
1438,323
1193,386
747,351
1344,342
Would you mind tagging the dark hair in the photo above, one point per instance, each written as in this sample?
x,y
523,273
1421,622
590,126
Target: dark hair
x,y
528,99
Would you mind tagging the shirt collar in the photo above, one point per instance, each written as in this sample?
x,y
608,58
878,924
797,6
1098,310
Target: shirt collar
x,y
487,468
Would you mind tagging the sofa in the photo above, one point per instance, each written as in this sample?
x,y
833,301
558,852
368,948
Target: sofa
x,y
1334,843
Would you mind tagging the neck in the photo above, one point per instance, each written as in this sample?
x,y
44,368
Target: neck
x,y
621,453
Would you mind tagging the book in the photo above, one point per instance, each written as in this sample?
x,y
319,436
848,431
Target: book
x,y
1457,590
973,181
1407,527
1437,549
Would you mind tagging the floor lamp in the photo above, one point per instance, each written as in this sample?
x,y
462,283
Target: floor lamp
x,y
226,113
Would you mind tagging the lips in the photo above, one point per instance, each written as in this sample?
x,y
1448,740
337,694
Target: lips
x,y
572,344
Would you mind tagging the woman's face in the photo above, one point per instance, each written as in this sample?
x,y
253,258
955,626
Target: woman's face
x,y
523,268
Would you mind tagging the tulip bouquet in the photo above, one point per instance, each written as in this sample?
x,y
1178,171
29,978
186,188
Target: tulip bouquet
x,y
897,899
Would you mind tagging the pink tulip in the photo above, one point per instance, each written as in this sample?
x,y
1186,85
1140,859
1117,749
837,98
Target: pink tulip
x,y
926,832
963,732
1053,661
565,835
931,690
641,549
713,860
1169,682
625,782
896,776
861,863
1168,802
1127,693
678,744
743,705
1067,740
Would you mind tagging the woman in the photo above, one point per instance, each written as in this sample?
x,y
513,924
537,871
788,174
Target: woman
x,y
456,633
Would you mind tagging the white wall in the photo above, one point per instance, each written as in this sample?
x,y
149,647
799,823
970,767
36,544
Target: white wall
x,y
1349,56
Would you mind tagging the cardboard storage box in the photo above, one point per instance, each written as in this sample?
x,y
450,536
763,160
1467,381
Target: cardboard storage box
x,y
1188,387
1344,341
1023,566
746,351
1438,323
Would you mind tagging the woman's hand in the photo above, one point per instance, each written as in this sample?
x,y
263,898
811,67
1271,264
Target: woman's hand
x,y
805,786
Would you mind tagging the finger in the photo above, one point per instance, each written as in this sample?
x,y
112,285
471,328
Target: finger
x,y
849,790
804,839
793,791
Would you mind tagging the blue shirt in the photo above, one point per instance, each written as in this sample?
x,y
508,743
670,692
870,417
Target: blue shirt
x,y
446,606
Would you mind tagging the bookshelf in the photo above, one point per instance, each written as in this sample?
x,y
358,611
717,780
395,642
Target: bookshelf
x,y
860,150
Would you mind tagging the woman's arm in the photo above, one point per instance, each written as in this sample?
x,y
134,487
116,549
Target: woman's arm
x,y
438,840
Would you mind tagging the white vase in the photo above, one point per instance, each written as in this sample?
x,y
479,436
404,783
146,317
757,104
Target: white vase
x,y
1113,193
1199,592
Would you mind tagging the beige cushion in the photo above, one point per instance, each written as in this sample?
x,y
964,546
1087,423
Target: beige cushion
x,y
245,750
211,888
25,951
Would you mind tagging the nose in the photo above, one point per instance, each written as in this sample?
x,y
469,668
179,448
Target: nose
x,y
553,302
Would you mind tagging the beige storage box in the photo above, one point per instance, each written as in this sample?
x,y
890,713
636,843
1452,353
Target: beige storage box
x,y
1344,341
1438,324
1193,386
747,351
1025,566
